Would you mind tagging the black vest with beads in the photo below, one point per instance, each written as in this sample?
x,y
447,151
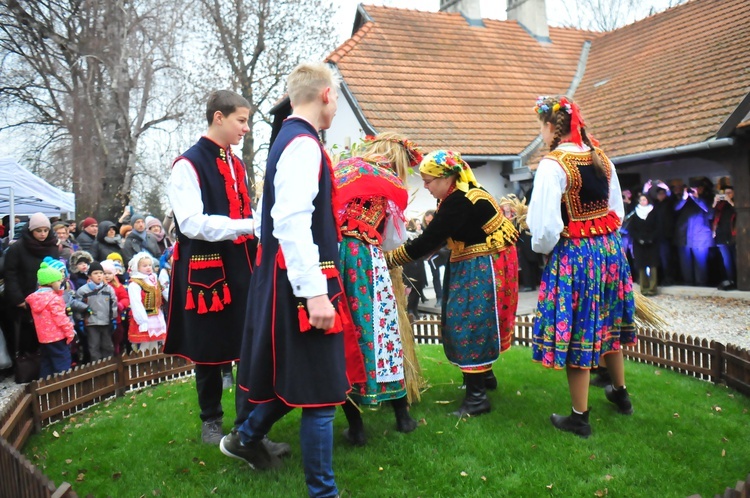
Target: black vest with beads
x,y
280,358
210,280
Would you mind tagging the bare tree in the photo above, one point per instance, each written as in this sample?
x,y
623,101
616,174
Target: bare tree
x,y
255,44
607,15
87,72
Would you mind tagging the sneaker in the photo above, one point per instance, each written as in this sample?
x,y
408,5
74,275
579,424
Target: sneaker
x,y
227,381
211,432
280,450
620,398
254,453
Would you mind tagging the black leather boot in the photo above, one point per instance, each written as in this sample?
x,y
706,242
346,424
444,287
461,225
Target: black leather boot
x,y
577,423
355,434
476,402
490,381
601,377
404,422
620,398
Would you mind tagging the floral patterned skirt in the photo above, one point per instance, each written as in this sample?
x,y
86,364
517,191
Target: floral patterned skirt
x,y
586,304
479,309
369,289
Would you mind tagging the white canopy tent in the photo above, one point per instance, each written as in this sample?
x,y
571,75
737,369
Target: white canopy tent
x,y
24,193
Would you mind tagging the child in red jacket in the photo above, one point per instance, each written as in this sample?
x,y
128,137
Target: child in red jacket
x,y
53,327
123,303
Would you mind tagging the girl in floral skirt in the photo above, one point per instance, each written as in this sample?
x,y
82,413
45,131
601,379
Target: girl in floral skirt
x,y
372,192
480,293
586,305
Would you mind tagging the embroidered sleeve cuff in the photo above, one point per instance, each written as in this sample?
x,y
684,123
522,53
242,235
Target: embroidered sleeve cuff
x,y
308,286
397,257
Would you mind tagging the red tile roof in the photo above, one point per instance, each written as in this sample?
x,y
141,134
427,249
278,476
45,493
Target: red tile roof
x,y
444,83
668,80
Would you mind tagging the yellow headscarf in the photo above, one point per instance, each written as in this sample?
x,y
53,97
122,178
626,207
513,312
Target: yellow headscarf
x,y
444,163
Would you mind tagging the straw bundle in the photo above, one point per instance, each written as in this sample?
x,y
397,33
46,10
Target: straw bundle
x,y
412,371
648,314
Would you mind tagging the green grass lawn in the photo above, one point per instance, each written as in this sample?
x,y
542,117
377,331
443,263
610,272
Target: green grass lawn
x,y
686,437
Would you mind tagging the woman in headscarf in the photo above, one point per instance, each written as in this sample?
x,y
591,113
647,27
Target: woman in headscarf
x,y
480,295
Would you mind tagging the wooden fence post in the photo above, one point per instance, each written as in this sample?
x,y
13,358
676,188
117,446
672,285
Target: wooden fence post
x,y
719,368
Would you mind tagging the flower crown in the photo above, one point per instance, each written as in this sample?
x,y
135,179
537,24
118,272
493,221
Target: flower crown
x,y
542,105
412,149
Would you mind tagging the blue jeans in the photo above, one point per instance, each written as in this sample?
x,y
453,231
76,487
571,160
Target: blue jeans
x,y
694,259
728,256
55,358
316,440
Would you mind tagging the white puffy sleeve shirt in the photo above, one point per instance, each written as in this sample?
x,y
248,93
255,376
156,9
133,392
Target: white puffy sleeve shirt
x,y
545,217
184,192
296,186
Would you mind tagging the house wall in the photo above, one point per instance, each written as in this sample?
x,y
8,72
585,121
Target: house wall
x,y
489,176
345,128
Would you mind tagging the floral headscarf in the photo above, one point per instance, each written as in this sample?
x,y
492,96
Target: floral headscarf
x,y
444,163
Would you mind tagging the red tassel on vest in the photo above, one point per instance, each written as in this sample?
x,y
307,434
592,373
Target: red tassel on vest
x,y
189,302
227,296
202,308
304,323
216,302
337,325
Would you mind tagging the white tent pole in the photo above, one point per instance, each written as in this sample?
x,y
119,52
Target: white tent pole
x,y
12,219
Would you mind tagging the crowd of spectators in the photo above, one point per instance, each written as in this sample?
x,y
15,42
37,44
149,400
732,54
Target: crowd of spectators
x,y
92,257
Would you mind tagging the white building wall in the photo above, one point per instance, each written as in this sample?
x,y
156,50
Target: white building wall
x,y
345,128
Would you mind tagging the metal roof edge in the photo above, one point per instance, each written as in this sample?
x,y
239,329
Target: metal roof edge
x,y
714,143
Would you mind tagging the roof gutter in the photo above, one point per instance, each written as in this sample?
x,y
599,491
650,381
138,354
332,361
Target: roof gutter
x,y
367,127
470,158
714,143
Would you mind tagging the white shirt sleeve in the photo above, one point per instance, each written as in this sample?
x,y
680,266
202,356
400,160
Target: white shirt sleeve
x,y
394,233
136,307
258,217
296,186
615,194
183,190
544,216
164,280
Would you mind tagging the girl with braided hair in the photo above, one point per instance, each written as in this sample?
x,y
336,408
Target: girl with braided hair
x,y
371,190
586,305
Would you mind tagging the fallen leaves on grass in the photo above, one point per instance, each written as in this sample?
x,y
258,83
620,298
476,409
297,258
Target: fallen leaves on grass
x,y
601,492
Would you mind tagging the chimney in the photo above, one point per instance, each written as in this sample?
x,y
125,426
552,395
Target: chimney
x,y
531,15
468,8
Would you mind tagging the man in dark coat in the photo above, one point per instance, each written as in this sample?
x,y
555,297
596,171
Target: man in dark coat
x,y
693,235
89,229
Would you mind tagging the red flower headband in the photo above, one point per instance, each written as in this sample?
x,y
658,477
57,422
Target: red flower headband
x,y
576,118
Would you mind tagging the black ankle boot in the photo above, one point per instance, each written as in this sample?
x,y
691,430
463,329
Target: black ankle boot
x,y
475,402
404,422
620,398
601,377
490,381
577,423
355,434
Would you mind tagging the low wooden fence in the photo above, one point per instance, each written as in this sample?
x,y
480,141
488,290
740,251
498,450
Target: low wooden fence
x,y
48,400
699,358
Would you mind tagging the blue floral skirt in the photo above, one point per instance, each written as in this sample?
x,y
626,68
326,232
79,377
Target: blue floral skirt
x,y
586,304
479,308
